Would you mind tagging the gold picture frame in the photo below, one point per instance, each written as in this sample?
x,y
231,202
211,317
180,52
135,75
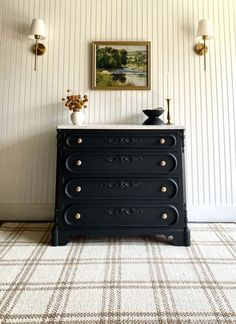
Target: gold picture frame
x,y
121,65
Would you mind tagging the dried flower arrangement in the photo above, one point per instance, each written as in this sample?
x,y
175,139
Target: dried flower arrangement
x,y
75,102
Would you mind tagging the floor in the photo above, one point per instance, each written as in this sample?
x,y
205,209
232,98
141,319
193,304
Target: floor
x,y
137,280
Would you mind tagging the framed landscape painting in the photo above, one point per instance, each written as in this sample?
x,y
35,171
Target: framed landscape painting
x,y
121,65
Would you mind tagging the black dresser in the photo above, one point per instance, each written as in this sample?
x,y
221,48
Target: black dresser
x,y
120,180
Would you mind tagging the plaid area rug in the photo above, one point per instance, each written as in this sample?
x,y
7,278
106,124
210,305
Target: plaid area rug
x,y
133,280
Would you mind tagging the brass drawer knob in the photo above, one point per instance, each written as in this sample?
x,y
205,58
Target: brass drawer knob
x,y
77,215
78,162
163,163
164,216
79,140
163,189
162,141
78,189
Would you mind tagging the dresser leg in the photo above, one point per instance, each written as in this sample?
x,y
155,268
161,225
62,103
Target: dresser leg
x,y
187,239
59,237
54,240
181,238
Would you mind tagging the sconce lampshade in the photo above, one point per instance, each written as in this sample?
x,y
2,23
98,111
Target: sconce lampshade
x,y
205,28
37,28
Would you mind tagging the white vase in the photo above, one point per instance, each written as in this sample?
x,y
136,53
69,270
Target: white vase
x,y
77,117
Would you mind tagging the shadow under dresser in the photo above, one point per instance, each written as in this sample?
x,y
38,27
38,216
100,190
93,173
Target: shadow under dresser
x,y
120,180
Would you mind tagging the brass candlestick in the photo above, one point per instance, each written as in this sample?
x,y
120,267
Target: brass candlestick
x,y
169,122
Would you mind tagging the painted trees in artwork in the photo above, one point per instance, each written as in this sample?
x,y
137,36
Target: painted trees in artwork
x,y
111,58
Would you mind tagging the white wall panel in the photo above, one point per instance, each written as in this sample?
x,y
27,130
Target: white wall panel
x,y
30,102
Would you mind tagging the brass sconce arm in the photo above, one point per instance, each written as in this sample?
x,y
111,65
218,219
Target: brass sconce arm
x,y
202,49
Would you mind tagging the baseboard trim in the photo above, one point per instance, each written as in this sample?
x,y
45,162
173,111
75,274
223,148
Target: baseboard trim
x,y
45,212
26,212
212,214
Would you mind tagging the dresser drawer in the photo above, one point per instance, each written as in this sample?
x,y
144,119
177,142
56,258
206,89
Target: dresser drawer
x,y
85,140
78,215
125,188
126,163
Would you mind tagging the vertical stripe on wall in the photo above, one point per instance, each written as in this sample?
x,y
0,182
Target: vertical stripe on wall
x,y
31,107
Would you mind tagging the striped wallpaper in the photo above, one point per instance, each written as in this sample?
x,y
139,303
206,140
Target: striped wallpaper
x,y
30,102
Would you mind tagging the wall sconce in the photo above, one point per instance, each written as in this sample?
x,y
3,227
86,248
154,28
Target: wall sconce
x,y
37,31
205,31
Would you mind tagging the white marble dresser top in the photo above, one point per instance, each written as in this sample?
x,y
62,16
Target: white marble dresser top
x,y
118,126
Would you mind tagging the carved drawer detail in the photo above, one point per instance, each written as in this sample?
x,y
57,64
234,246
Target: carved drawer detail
x,y
123,185
122,159
121,211
120,140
